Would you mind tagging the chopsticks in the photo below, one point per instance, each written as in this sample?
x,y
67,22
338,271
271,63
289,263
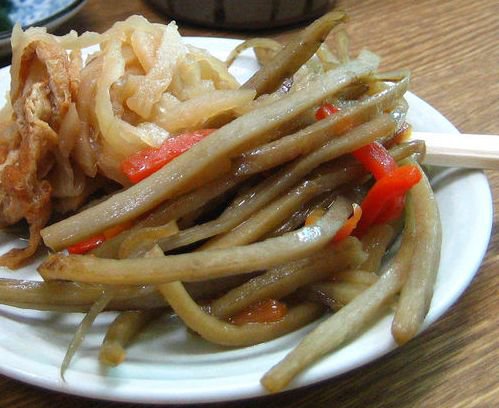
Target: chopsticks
x,y
460,150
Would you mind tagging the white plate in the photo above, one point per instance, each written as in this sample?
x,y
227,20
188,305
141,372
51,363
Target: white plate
x,y
168,365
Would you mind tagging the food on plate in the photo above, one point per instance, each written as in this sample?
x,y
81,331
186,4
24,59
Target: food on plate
x,y
158,182
70,123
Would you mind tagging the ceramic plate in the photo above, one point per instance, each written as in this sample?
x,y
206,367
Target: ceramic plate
x,y
168,365
41,13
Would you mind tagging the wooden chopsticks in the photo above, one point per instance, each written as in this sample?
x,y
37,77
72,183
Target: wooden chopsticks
x,y
460,150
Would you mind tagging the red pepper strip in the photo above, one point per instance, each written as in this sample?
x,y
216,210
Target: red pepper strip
x,y
350,224
392,210
265,311
86,245
389,188
376,159
326,110
145,162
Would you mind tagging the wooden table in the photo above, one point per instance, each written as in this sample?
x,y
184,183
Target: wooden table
x,y
452,48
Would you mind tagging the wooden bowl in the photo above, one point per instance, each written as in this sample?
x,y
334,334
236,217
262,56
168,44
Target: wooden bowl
x,y
243,14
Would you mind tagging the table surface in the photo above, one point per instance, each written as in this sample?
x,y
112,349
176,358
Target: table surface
x,y
452,49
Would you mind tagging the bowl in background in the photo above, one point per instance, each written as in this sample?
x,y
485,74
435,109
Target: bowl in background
x,y
243,14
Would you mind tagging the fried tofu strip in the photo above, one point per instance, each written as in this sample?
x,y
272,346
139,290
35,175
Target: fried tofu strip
x,y
39,105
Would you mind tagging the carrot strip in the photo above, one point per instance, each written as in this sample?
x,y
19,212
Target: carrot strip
x,y
265,311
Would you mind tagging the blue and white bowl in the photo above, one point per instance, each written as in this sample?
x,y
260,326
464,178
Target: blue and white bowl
x,y
42,13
